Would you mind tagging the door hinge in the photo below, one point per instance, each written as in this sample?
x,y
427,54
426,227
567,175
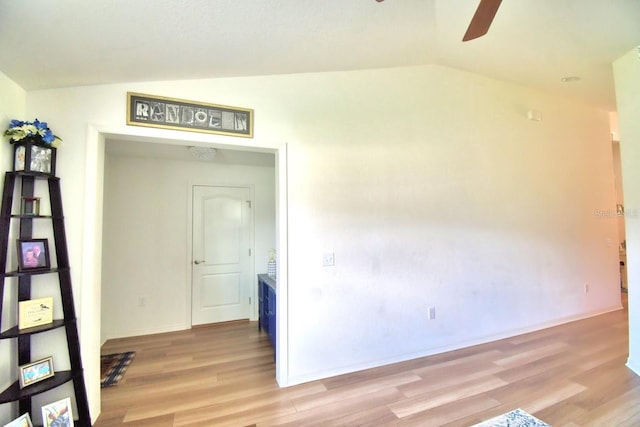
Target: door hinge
x,y
249,300
249,203
249,252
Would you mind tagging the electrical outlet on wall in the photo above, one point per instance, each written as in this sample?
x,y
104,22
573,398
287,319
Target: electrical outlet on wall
x,y
328,259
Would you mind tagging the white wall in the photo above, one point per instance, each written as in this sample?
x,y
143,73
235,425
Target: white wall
x,y
12,107
431,187
627,78
437,191
146,235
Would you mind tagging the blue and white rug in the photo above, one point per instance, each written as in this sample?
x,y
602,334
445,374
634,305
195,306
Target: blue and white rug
x,y
113,366
515,418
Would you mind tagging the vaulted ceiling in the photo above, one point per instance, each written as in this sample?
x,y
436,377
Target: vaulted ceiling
x,y
62,43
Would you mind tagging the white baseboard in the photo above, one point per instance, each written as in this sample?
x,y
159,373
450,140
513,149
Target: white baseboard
x,y
156,329
295,380
634,366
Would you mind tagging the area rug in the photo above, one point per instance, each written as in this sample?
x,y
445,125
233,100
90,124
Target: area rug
x,y
113,366
515,418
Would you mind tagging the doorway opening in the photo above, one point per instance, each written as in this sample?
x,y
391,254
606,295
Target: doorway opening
x,y
156,242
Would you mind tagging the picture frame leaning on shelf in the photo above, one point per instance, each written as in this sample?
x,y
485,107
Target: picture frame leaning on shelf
x,y
58,414
23,420
35,372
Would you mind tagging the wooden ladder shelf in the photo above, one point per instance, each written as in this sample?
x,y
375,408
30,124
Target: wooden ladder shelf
x,y
23,278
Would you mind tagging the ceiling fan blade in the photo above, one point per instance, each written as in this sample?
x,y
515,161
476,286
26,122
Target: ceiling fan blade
x,y
482,19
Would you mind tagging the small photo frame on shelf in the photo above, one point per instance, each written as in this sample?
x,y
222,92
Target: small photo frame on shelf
x,y
30,206
32,373
23,420
33,254
58,414
30,157
35,312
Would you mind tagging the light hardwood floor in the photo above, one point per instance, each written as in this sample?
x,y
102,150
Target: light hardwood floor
x,y
570,375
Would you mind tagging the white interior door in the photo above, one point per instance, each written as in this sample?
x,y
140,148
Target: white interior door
x,y
222,239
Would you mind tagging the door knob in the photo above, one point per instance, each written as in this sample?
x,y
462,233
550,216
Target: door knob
x,y
198,262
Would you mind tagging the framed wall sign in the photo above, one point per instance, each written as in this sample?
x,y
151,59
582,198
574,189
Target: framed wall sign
x,y
180,114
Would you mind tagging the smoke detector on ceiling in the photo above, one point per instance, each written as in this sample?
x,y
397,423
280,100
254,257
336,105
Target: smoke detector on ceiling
x,y
570,79
203,153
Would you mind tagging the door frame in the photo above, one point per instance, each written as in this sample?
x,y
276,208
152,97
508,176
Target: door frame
x,y
91,235
254,284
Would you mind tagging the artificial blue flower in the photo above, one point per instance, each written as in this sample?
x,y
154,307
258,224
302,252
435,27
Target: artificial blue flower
x,y
48,136
19,130
40,125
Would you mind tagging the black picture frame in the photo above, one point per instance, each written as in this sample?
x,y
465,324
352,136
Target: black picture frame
x,y
180,114
35,158
30,206
33,254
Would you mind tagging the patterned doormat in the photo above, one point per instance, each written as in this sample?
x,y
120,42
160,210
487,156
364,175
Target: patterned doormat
x,y
113,366
515,418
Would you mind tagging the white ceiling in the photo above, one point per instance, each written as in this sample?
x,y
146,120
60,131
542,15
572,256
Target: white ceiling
x,y
62,43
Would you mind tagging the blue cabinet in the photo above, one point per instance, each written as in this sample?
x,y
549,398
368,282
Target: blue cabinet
x,y
267,307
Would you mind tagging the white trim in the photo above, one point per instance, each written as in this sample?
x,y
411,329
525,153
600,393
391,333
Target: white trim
x,y
153,330
439,350
97,133
282,251
188,308
635,367
88,312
